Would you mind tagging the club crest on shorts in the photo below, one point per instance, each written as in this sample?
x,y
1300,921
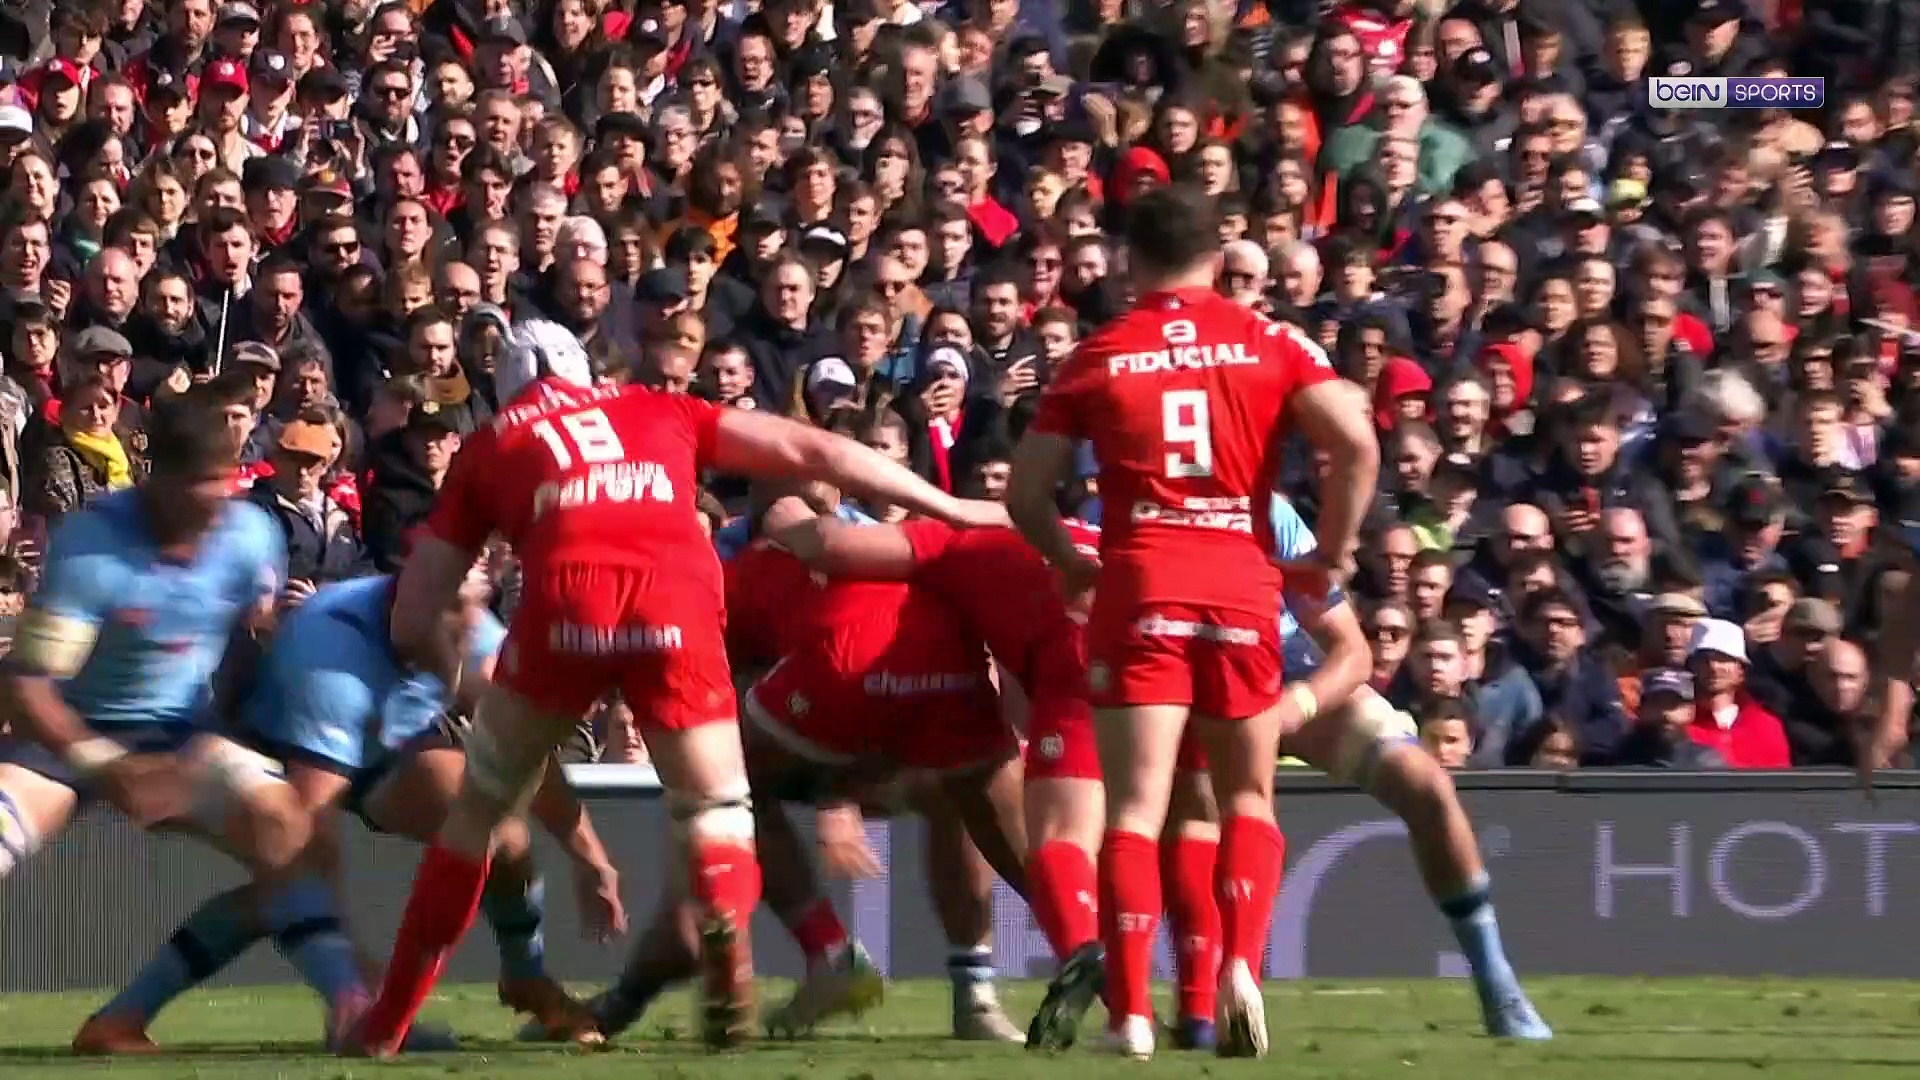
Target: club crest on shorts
x,y
797,704
1051,747
1098,677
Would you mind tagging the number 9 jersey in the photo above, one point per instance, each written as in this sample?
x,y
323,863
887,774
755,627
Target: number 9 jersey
x,y
595,488
1183,400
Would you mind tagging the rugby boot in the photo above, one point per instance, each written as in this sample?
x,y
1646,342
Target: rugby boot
x,y
104,1035
979,1017
1194,1033
555,1013
1070,994
1132,1038
845,983
1242,1022
1513,1017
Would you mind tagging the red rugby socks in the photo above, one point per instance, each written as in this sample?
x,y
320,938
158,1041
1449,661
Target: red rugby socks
x,y
1187,867
445,897
1129,915
1246,883
726,880
819,931
1062,886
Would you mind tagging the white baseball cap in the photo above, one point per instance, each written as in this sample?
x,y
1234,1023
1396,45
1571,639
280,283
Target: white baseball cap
x,y
15,118
1718,636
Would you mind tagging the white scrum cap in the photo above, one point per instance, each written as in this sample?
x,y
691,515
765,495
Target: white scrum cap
x,y
537,348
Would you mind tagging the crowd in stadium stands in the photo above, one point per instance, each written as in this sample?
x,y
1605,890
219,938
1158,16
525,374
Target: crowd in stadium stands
x,y
1647,382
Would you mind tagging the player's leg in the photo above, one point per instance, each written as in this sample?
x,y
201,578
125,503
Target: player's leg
x,y
507,753
411,800
976,830
840,978
1065,807
1368,743
37,799
244,806
1236,718
666,954
704,773
1139,746
1189,854
1063,818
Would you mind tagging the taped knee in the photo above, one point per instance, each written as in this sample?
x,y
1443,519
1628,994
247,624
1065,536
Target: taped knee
x,y
1375,728
226,777
726,817
17,839
503,772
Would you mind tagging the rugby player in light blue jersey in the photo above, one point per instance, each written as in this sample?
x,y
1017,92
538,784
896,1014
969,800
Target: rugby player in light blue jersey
x,y
1365,741
108,685
359,731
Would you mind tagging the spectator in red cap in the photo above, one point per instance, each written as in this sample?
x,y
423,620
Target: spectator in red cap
x,y
221,106
57,97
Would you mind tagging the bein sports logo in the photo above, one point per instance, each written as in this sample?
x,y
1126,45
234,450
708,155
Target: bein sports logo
x,y
1736,92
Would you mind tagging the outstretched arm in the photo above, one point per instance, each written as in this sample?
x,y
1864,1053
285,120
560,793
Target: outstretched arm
x,y
838,549
757,444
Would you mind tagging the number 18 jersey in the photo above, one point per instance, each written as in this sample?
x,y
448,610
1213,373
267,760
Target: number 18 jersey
x,y
594,488
1182,399
604,476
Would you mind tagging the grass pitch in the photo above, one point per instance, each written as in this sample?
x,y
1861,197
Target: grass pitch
x,y
1697,1029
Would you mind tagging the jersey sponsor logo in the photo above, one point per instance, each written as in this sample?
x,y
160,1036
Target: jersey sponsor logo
x,y
1225,514
609,640
1161,626
1181,358
618,482
892,684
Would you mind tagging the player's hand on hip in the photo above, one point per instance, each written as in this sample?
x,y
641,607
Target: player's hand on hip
x,y
1316,576
1078,577
148,788
841,833
603,915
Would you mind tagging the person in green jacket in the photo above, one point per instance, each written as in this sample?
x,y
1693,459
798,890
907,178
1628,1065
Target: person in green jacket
x,y
1401,108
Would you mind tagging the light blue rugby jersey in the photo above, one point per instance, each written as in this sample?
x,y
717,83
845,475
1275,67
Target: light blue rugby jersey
x,y
162,626
734,537
1293,540
330,687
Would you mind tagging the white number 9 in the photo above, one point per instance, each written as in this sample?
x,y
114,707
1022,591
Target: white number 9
x,y
1184,423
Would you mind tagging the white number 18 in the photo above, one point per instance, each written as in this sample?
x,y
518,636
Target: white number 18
x,y
1183,423
592,436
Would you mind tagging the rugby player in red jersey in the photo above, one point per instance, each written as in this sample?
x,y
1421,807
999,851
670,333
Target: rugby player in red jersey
x,y
1012,600
595,489
1186,400
869,682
